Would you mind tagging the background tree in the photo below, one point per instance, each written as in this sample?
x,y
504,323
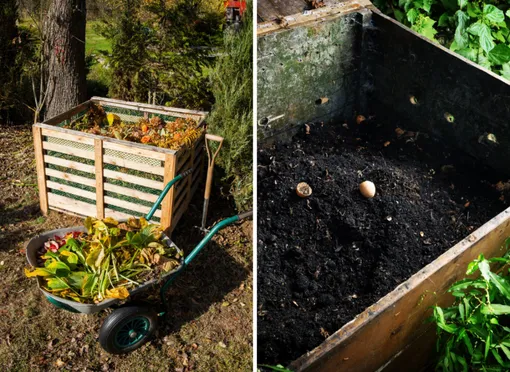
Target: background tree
x,y
9,44
64,50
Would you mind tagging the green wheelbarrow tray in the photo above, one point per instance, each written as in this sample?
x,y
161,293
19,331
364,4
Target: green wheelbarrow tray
x,y
37,242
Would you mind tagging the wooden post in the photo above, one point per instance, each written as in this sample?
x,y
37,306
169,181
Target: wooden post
x,y
190,177
41,172
98,147
168,202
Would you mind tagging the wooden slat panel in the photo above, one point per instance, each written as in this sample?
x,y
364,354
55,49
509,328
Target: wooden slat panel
x,y
184,167
41,174
190,179
133,150
130,192
181,188
198,152
69,164
131,206
98,147
195,176
68,150
71,190
194,188
170,111
178,203
68,204
177,216
160,171
68,136
71,177
68,114
168,202
183,160
386,328
157,185
116,214
106,139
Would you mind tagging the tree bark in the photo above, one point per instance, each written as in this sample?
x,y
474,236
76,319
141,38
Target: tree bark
x,y
64,49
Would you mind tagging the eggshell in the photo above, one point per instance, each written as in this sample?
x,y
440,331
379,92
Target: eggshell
x,y
303,190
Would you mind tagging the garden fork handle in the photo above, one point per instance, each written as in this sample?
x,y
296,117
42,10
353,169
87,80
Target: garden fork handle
x,y
210,170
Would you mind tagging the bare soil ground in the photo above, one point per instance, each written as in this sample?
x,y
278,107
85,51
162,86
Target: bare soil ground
x,y
209,326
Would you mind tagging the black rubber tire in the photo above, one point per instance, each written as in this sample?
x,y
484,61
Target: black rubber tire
x,y
117,321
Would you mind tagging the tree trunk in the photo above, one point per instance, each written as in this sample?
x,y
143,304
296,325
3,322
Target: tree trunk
x,y
64,48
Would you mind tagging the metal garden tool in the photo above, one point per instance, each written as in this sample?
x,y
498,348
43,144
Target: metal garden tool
x,y
210,170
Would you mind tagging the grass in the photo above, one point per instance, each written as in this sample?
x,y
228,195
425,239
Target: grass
x,y
94,42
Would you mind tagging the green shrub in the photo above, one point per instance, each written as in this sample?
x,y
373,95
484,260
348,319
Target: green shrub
x,y
232,114
477,30
164,48
99,77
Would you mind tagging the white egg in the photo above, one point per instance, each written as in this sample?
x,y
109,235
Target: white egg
x,y
367,189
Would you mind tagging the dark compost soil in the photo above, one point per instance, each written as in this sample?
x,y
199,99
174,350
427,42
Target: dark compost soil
x,y
322,260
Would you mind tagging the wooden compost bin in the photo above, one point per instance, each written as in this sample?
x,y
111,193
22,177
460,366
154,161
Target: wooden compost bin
x,y
335,62
92,175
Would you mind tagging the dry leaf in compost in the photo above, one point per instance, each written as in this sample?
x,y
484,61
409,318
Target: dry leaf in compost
x,y
120,293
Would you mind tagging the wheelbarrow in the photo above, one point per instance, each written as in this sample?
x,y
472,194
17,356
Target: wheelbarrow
x,y
131,324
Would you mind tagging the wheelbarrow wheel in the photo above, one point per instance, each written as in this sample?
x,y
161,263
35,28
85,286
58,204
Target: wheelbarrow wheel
x,y
127,328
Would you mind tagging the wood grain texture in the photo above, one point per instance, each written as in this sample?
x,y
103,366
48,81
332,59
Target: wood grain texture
x,y
71,190
98,147
168,202
71,177
41,173
69,164
119,176
133,165
130,206
68,150
121,190
67,136
75,206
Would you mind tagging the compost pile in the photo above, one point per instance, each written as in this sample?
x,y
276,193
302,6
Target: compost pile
x,y
170,135
324,258
106,261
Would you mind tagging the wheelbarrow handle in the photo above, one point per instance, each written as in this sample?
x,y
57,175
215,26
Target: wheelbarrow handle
x,y
220,225
165,191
